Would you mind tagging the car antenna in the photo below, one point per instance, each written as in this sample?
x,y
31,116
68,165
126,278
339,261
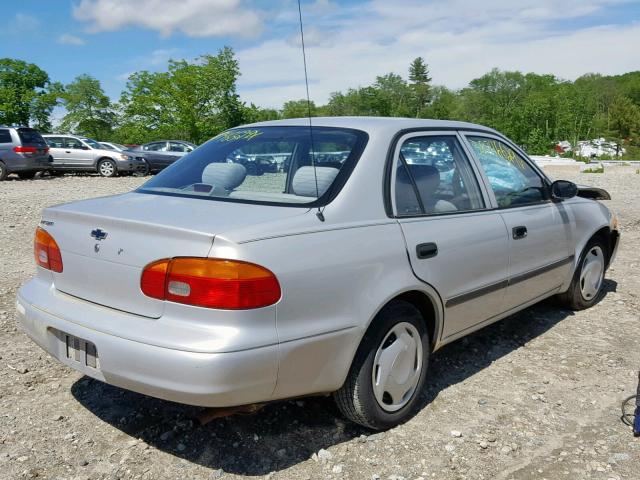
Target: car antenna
x,y
319,213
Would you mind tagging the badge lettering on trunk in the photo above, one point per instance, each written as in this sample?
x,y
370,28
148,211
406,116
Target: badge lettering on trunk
x,y
99,234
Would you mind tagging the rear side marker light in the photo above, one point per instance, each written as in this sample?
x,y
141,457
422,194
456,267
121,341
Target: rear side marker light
x,y
211,283
46,251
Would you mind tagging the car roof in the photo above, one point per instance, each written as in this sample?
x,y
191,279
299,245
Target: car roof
x,y
375,124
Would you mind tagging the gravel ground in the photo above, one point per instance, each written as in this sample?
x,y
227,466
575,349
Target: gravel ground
x,y
534,396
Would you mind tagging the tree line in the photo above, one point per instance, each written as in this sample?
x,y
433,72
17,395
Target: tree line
x,y
195,100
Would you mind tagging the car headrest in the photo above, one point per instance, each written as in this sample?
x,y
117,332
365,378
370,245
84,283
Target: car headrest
x,y
427,178
226,175
304,181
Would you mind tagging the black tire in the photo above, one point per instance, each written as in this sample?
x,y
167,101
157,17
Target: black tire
x,y
574,298
107,168
356,399
147,169
26,175
3,171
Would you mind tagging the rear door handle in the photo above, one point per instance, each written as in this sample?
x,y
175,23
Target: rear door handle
x,y
426,250
519,232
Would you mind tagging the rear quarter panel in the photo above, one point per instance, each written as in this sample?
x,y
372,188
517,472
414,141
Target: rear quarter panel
x,y
333,282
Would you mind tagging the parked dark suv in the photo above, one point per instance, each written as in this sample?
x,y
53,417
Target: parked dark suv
x,y
22,151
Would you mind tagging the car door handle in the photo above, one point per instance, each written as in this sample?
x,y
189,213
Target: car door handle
x,y
519,232
67,151
427,250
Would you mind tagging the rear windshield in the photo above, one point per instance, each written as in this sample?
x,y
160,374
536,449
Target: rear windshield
x,y
271,165
31,136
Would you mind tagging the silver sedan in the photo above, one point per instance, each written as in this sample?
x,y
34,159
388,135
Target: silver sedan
x,y
381,241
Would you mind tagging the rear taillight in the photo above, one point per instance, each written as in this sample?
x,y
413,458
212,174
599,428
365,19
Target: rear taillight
x,y
46,251
211,283
46,149
22,149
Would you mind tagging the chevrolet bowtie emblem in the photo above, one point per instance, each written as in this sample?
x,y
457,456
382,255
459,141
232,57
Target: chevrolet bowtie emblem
x,y
99,234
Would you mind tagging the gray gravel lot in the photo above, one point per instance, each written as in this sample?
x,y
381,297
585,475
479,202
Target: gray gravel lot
x,y
535,396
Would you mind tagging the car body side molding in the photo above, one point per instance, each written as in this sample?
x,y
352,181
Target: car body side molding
x,y
465,297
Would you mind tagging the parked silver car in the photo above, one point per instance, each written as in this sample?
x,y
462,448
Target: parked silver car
x,y
210,287
81,154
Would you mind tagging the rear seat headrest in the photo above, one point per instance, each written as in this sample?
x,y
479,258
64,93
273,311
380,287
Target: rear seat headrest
x,y
304,181
225,175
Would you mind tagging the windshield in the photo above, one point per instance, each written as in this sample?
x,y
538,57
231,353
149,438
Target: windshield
x,y
92,143
271,165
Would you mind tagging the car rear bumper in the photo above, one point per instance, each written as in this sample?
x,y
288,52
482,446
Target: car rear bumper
x,y
194,378
30,164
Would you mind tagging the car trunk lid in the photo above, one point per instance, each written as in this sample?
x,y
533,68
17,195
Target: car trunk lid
x,y
107,242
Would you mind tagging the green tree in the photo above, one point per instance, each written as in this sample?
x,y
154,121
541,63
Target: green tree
x,y
253,113
27,96
89,110
191,100
625,118
445,104
298,109
420,84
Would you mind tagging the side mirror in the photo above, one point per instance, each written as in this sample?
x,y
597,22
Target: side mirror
x,y
84,147
563,190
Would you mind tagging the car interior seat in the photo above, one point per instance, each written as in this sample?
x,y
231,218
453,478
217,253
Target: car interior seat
x,y
304,180
427,178
220,178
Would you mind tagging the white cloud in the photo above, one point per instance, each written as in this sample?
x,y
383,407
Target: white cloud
x,y
460,40
195,18
19,24
68,39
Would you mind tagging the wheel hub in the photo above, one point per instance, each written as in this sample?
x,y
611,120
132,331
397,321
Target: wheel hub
x,y
106,168
397,367
592,273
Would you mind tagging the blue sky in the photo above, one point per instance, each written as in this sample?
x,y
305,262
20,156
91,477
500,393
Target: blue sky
x,y
349,42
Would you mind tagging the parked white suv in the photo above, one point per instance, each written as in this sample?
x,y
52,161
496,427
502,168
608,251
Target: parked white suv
x,y
74,153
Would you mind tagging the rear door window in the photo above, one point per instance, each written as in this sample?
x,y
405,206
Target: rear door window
x,y
433,176
5,136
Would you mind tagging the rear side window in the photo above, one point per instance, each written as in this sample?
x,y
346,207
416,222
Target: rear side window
x,y
30,136
5,136
513,181
433,176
